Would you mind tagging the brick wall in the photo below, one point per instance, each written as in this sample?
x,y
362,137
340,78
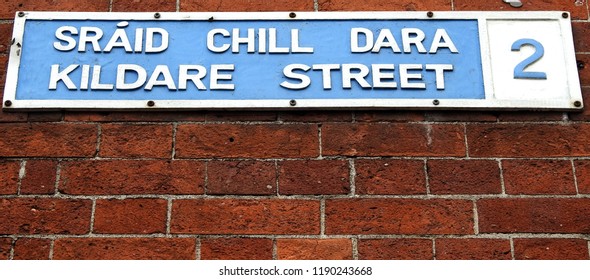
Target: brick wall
x,y
295,185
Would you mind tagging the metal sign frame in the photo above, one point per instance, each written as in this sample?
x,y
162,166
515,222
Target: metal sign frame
x,y
572,99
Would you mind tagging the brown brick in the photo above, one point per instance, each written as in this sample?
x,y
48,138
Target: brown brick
x,y
384,5
460,116
247,140
9,171
236,249
245,216
48,140
5,247
578,12
44,216
125,249
244,6
392,139
6,116
390,177
132,177
534,215
399,216
136,141
389,116
144,6
5,39
32,249
241,177
538,177
585,113
584,69
464,177
44,116
39,177
241,116
581,32
528,140
395,249
141,216
314,177
583,176
166,116
316,116
530,116
473,249
12,6
314,249
550,249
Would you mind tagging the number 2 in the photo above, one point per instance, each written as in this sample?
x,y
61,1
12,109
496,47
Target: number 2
x,y
519,70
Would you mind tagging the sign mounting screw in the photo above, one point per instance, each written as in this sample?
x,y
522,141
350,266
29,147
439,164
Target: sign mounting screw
x,y
292,102
577,103
7,103
151,103
157,15
435,102
292,15
565,15
21,14
430,14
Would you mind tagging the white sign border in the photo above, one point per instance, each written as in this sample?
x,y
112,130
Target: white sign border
x,y
574,102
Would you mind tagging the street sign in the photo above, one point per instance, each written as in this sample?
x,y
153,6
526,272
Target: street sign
x,y
279,60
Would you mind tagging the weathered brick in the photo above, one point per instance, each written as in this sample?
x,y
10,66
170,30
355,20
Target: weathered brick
x,y
314,177
384,5
550,249
247,140
314,249
584,114
472,249
534,215
124,249
5,39
399,216
241,116
316,116
538,177
12,6
96,177
44,216
245,216
44,116
578,12
583,60
460,116
244,6
162,116
390,177
141,216
5,247
528,140
39,177
9,171
236,249
392,139
395,249
143,6
32,249
48,140
583,176
389,116
464,177
136,141
581,32
530,116
241,177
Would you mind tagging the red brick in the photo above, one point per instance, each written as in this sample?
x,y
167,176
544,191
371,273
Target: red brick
x,y
530,116
241,116
5,38
44,116
384,5
141,216
389,116
528,140
12,6
136,141
9,171
245,216
144,6
7,116
134,116
472,249
538,177
578,12
44,216
550,249
314,177
459,116
395,249
392,139
124,249
390,177
584,69
581,32
244,6
5,247
464,177
39,177
104,177
247,140
399,216
236,249
32,249
314,249
48,140
583,115
241,177
316,116
583,176
534,215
